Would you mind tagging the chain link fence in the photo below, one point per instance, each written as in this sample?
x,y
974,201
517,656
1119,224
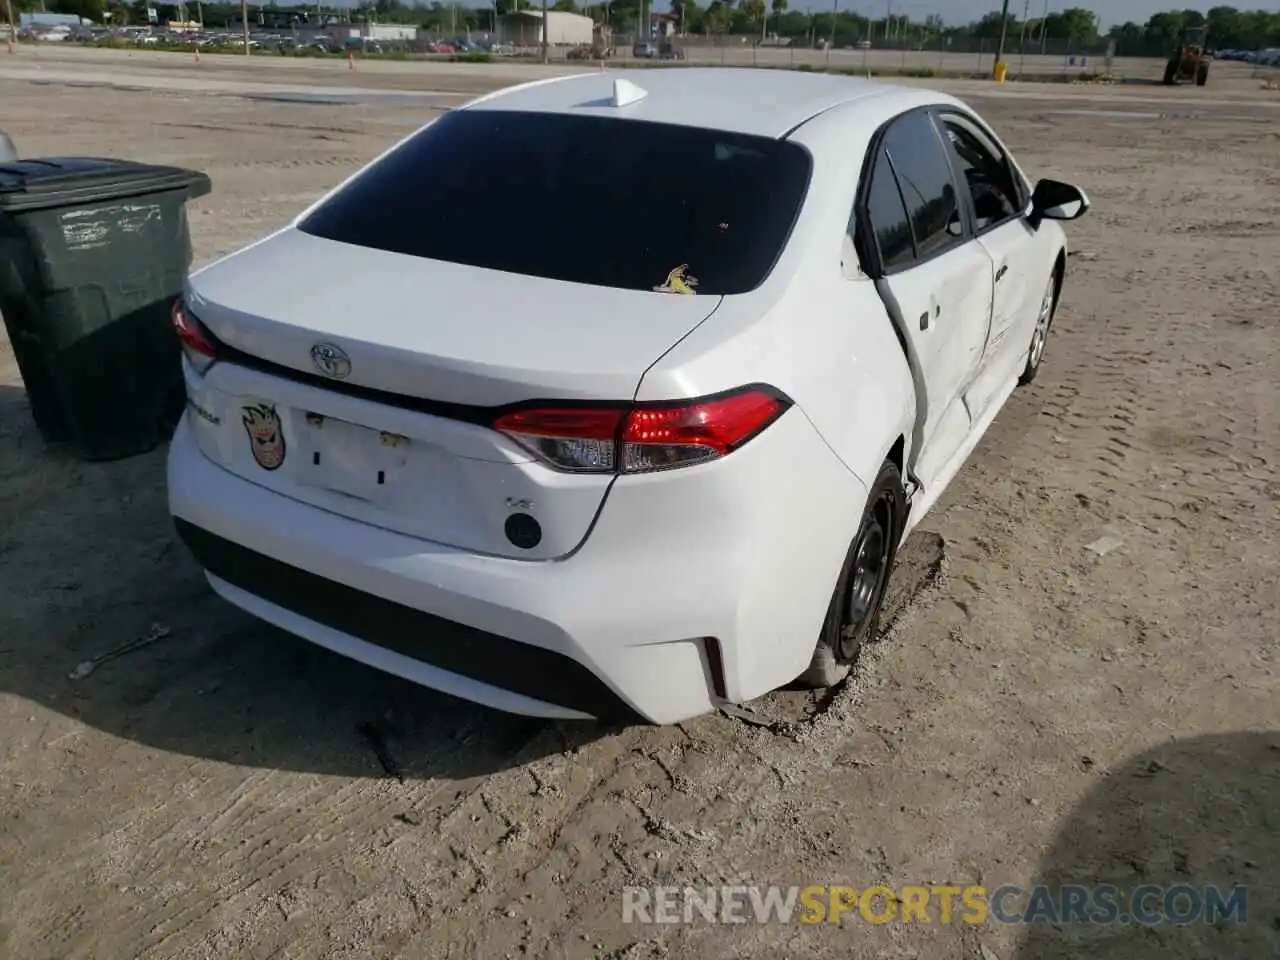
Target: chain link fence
x,y
912,55
922,56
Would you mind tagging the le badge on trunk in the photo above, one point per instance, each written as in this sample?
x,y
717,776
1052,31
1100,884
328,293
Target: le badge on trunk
x,y
266,436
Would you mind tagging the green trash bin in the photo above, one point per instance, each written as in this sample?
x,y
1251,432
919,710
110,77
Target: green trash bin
x,y
93,253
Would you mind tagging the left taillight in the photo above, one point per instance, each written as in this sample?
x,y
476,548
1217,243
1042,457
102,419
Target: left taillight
x,y
643,438
579,439
196,345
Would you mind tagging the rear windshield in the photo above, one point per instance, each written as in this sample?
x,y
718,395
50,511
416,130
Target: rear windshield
x,y
615,203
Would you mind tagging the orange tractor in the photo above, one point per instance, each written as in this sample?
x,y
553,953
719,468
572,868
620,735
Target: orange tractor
x,y
1190,60
601,47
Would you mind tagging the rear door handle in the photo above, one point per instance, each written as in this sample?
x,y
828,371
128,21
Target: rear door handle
x,y
1004,268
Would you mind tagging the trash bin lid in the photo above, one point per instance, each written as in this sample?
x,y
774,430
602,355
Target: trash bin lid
x,y
73,181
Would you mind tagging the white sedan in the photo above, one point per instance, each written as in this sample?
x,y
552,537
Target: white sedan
x,y
609,398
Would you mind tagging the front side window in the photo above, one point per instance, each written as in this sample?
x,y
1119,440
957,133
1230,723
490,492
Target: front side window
x,y
987,174
595,200
924,177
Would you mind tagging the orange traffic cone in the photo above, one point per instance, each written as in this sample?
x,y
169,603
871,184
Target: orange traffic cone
x,y
351,60
197,54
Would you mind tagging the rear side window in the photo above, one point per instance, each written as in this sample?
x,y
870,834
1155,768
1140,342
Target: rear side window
x,y
924,176
614,203
888,216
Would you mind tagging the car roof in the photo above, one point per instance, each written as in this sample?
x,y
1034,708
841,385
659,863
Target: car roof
x,y
767,103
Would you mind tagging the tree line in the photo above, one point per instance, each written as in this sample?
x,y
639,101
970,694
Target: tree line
x,y
1074,28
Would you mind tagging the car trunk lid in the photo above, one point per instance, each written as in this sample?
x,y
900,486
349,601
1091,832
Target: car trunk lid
x,y
438,331
400,435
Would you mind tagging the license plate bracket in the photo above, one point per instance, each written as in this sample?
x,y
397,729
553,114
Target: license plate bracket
x,y
351,459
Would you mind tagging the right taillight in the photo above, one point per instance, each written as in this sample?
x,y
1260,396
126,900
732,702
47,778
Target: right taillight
x,y
643,438
200,353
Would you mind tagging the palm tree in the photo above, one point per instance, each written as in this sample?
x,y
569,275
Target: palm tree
x,y
754,9
779,8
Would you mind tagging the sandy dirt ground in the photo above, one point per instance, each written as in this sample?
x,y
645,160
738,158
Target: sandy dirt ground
x,y
1035,712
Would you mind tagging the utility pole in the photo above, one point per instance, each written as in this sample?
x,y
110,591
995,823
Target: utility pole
x,y
1022,43
1044,22
866,51
244,18
546,28
1004,26
8,6
831,40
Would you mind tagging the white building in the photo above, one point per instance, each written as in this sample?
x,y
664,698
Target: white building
x,y
382,32
524,28
37,20
390,32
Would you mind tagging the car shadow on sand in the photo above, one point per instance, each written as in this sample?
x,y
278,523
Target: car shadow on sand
x,y
89,563
1191,814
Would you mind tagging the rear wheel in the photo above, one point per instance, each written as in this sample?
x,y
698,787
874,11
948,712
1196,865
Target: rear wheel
x,y
1170,73
1202,75
854,610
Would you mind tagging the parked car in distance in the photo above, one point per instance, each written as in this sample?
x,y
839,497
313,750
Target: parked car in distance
x,y
636,460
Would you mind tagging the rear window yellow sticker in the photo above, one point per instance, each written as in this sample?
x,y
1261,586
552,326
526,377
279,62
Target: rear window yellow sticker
x,y
679,281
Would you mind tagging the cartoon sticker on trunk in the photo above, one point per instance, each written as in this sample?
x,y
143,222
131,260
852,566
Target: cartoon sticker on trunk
x,y
266,436
679,281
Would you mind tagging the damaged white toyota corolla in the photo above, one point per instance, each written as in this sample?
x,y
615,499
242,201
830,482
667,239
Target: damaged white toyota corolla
x,y
598,398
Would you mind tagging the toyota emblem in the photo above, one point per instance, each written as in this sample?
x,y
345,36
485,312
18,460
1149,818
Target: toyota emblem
x,y
331,361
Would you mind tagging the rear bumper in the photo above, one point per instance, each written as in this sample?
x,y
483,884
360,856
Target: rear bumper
x,y
745,550
525,671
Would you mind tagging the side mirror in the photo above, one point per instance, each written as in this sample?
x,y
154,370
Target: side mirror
x,y
1053,200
